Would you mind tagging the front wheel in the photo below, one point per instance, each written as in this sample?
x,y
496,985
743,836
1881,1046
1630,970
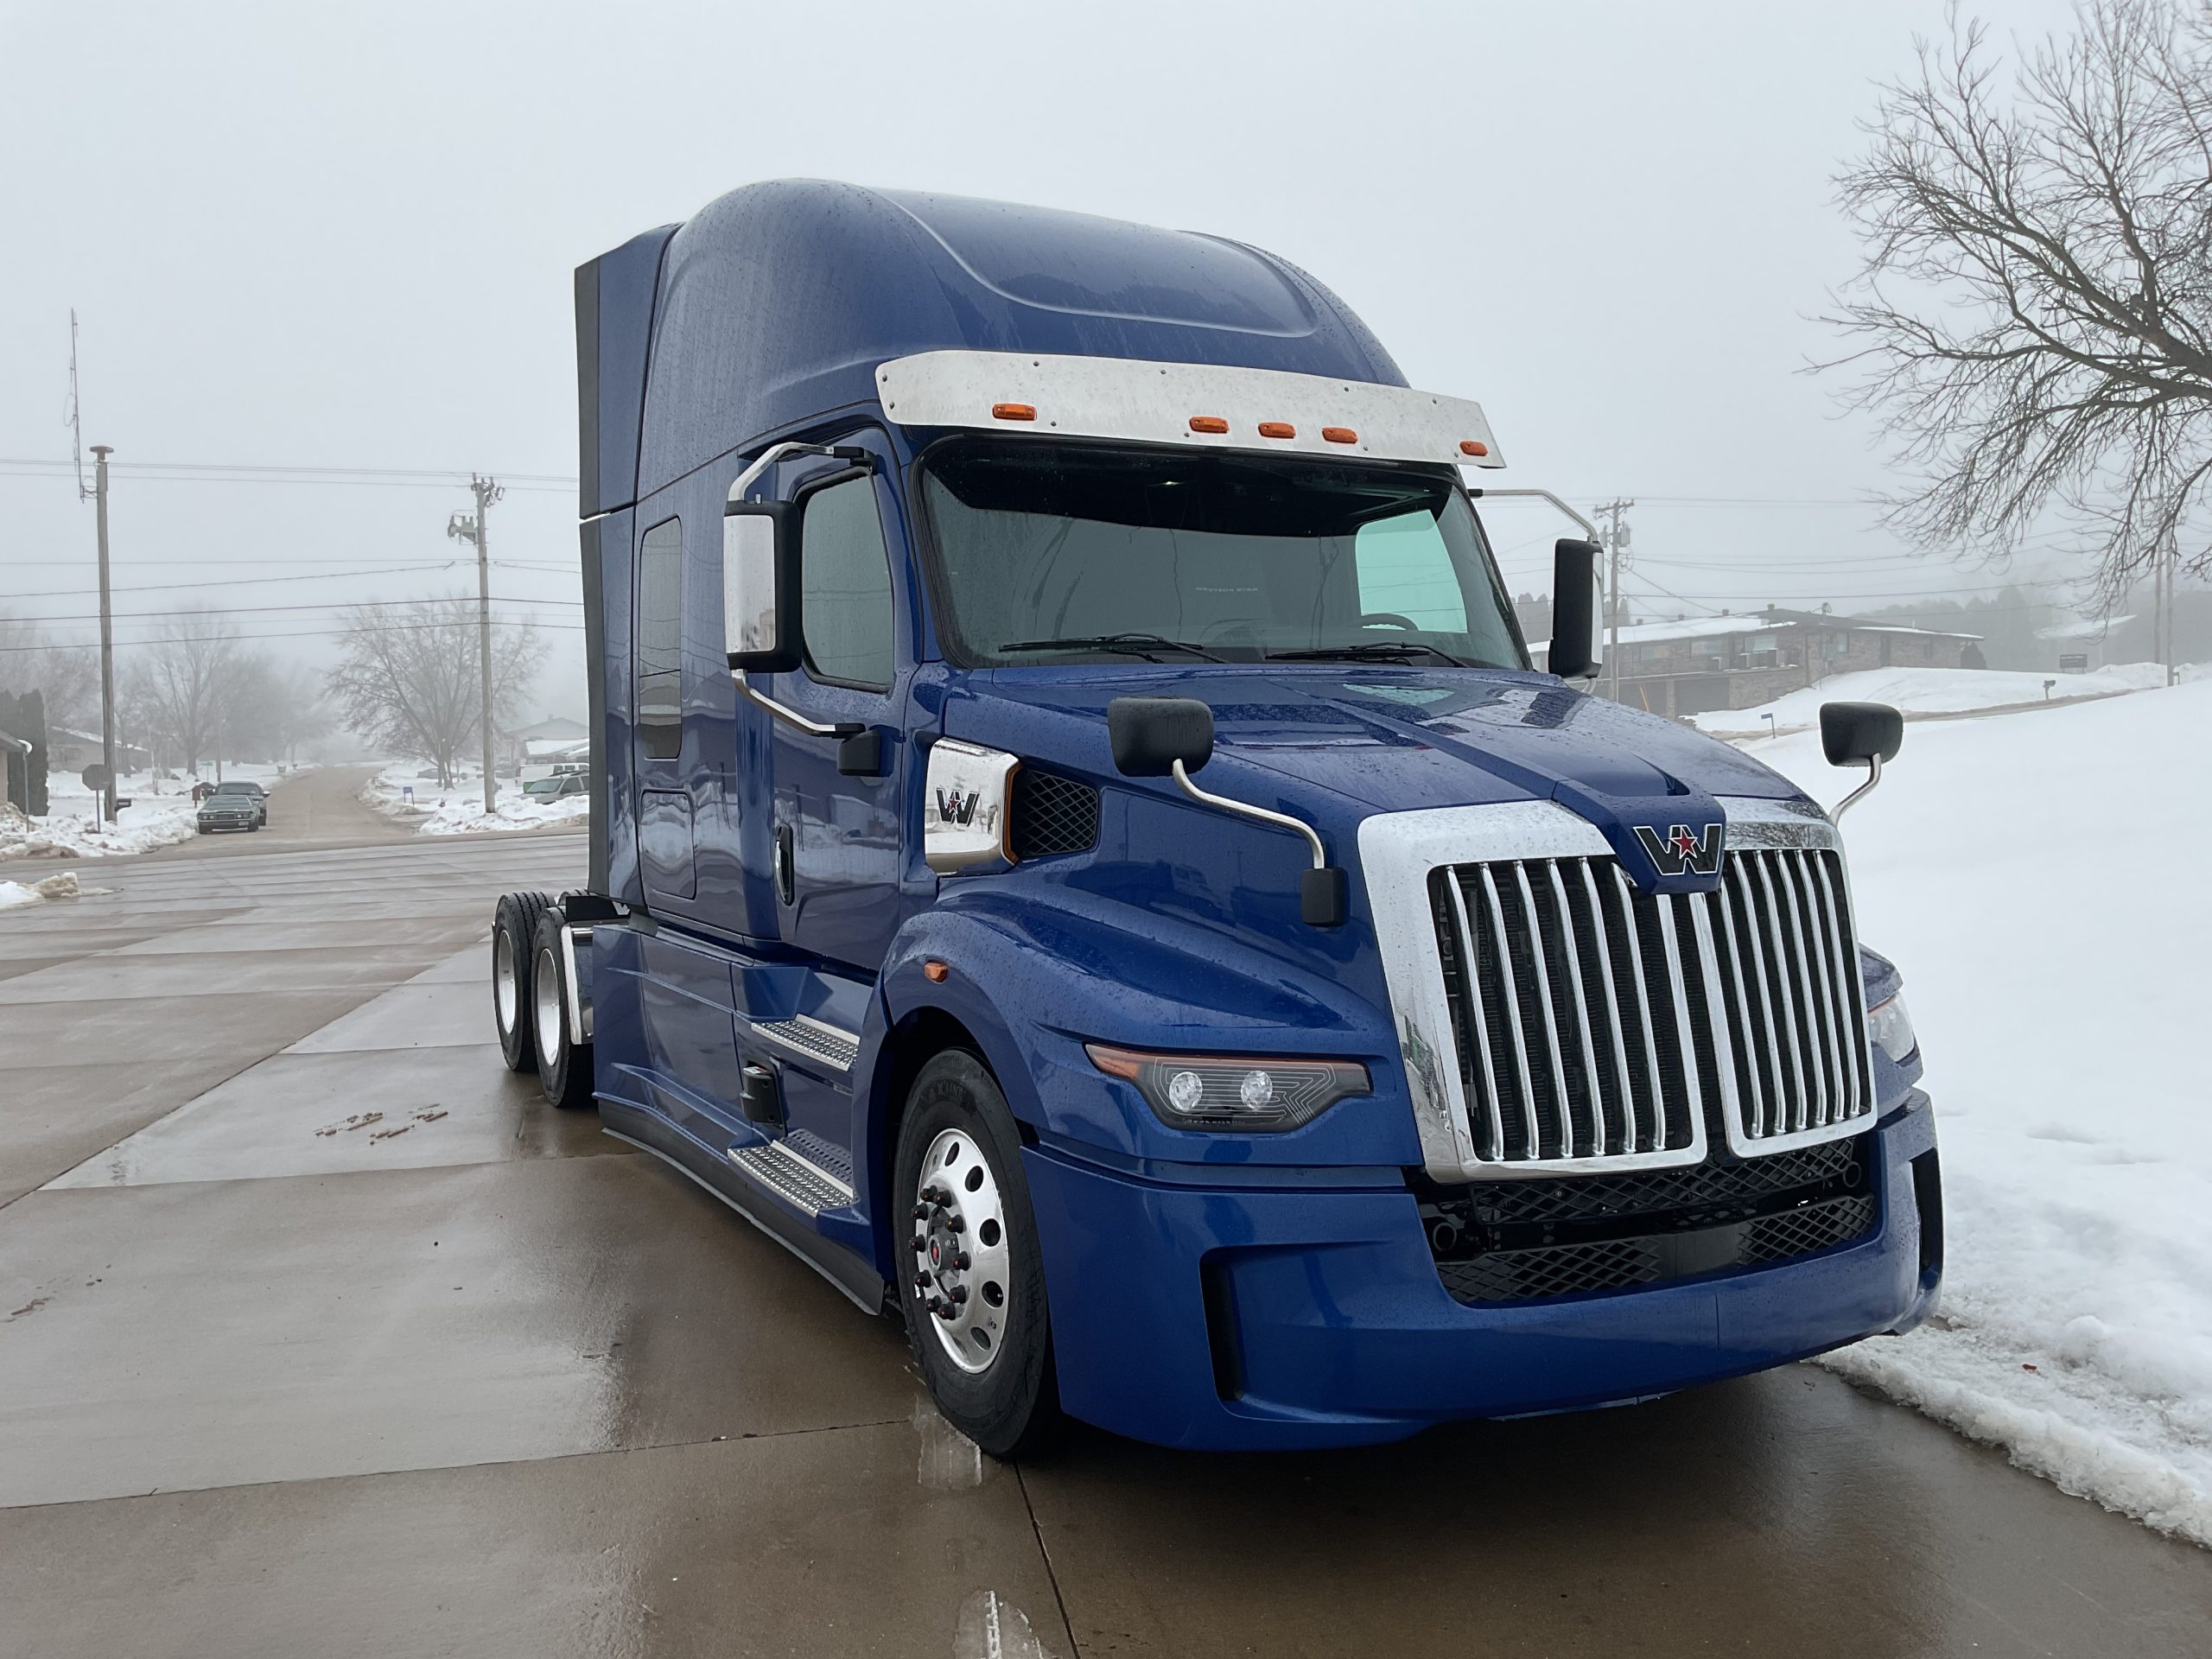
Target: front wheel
x,y
973,1281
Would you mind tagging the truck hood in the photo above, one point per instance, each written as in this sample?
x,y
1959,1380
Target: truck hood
x,y
1334,743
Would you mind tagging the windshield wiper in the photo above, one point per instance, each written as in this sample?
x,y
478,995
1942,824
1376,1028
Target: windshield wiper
x,y
1364,649
1140,643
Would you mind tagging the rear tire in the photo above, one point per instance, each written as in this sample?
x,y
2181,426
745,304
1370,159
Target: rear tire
x,y
563,1065
514,937
1001,1389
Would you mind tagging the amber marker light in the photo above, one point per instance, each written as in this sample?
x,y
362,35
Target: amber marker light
x,y
1208,423
1027,412
936,972
1340,435
1473,447
1277,430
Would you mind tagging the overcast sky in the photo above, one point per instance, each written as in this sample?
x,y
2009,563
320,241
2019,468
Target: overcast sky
x,y
341,236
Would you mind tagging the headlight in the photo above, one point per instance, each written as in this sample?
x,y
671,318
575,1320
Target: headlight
x,y
1890,1028
1214,1091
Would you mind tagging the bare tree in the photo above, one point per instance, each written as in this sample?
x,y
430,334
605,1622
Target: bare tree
x,y
407,678
181,684
2035,302
68,677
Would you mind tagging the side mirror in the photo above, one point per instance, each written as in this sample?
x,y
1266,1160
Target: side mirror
x,y
1859,734
761,586
1150,735
1575,653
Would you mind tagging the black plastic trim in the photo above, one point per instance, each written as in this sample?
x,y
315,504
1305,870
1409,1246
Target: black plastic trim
x,y
599,821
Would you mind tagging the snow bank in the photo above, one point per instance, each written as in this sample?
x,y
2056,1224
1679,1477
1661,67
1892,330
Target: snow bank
x,y
460,811
1929,691
2040,881
143,825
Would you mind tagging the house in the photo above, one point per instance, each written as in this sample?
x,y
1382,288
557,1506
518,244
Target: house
x,y
72,751
532,744
1694,663
2083,645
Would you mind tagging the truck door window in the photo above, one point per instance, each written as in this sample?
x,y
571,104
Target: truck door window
x,y
845,614
660,641
1405,569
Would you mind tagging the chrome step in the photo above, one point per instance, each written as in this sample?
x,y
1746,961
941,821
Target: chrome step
x,y
815,1039
793,1178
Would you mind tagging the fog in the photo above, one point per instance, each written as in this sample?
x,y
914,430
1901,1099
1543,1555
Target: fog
x,y
338,240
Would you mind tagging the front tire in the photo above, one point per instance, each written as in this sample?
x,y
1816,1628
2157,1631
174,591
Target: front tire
x,y
972,1279
514,941
563,1065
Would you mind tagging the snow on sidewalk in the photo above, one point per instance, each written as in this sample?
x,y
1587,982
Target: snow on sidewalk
x,y
1929,691
146,824
2041,881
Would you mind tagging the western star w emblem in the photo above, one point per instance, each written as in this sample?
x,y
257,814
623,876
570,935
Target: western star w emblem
x,y
1677,850
955,805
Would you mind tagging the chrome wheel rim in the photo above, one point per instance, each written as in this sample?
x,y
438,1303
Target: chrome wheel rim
x,y
546,989
962,1266
504,994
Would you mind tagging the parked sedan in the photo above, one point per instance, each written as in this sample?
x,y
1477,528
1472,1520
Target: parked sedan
x,y
238,805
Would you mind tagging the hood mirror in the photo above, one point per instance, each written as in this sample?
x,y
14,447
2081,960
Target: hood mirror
x,y
1859,734
1172,737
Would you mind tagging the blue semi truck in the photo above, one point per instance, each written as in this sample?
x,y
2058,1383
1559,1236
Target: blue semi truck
x,y
1081,855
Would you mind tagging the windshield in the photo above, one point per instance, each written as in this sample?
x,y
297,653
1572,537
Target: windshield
x,y
1056,553
238,789
543,786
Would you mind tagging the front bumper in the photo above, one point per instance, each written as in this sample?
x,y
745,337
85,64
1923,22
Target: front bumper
x,y
1284,1316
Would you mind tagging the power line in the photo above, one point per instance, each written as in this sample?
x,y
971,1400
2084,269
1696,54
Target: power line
x,y
238,581
325,605
305,633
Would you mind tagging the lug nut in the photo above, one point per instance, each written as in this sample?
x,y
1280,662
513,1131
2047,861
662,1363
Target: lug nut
x,y
921,1281
953,1224
959,1293
921,1212
921,1243
960,1262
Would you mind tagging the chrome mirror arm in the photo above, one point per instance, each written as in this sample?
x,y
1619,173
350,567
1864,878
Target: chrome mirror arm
x,y
1281,820
1873,777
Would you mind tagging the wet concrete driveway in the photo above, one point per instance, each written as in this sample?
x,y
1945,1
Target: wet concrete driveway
x,y
468,1377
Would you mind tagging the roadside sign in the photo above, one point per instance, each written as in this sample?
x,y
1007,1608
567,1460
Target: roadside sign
x,y
96,776
2074,662
407,793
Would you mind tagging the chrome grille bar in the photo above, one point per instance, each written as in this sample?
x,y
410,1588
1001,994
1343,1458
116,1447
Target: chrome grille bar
x,y
1511,991
1593,1078
1557,1076
1612,1006
1473,1004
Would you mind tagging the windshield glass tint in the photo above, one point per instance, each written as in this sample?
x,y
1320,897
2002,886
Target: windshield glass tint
x,y
1242,557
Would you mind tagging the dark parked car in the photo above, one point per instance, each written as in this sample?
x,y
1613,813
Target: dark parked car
x,y
238,805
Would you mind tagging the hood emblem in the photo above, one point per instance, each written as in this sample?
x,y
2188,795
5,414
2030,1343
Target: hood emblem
x,y
1678,851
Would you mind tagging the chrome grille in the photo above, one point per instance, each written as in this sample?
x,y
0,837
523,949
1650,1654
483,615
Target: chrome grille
x,y
1594,1023
1784,969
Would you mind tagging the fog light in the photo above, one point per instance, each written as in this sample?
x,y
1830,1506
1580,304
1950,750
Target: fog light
x,y
1196,1091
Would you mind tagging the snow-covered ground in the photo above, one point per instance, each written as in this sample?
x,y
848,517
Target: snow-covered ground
x,y
71,828
1928,691
460,811
2041,881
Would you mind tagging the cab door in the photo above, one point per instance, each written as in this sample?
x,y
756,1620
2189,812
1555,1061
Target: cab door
x,y
835,853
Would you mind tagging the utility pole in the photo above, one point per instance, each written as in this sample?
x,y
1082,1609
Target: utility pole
x,y
463,527
100,453
73,419
1616,546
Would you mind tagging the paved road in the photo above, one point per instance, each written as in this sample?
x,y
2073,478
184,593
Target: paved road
x,y
321,808
495,1385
